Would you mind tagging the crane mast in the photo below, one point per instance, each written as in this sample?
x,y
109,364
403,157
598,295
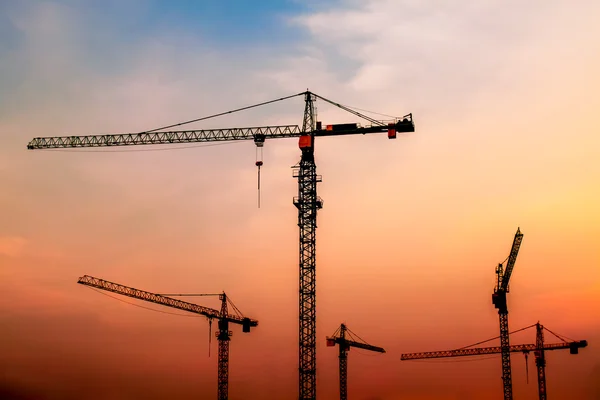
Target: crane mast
x,y
223,317
307,202
499,301
540,360
223,338
344,346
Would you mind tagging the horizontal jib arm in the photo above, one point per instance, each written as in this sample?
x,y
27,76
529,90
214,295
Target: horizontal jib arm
x,y
259,134
158,299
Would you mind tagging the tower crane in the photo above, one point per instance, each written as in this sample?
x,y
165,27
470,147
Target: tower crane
x,y
223,317
344,347
538,349
307,202
499,301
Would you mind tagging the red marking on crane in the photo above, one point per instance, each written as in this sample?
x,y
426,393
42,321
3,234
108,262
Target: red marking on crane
x,y
305,141
391,131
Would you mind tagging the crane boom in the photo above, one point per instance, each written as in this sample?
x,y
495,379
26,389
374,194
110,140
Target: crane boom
x,y
573,346
162,300
512,258
499,301
207,135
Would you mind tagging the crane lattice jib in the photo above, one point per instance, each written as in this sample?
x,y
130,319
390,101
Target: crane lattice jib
x,y
204,135
158,299
491,350
512,258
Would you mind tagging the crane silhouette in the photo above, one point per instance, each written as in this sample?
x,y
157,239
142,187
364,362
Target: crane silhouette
x,y
223,317
344,345
499,301
539,349
307,202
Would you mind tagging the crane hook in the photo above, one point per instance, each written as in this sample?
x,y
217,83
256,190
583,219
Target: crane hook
x,y
259,163
209,334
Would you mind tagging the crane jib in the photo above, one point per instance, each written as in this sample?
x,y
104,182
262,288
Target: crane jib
x,y
571,346
212,135
162,300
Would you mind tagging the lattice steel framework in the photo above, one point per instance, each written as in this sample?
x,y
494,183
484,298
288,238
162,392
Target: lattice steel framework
x,y
499,301
307,203
479,351
343,359
258,134
223,337
505,351
540,360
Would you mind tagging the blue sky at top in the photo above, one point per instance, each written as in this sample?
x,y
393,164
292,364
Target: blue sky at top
x,y
105,38
231,23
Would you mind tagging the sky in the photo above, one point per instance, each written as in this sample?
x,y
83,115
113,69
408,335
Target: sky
x,y
504,96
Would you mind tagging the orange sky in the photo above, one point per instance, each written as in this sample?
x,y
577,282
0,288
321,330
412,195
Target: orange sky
x,y
505,108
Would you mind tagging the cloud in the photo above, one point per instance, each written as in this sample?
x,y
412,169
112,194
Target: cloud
x,y
12,246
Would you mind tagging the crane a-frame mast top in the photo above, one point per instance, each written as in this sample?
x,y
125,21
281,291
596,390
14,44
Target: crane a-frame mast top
x,y
307,200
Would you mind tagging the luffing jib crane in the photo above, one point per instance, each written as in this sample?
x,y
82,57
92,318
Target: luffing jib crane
x,y
223,317
499,301
538,350
307,201
344,344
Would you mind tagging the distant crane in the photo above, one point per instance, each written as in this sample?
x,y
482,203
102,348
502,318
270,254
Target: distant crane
x,y
538,348
499,301
344,346
307,202
223,317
